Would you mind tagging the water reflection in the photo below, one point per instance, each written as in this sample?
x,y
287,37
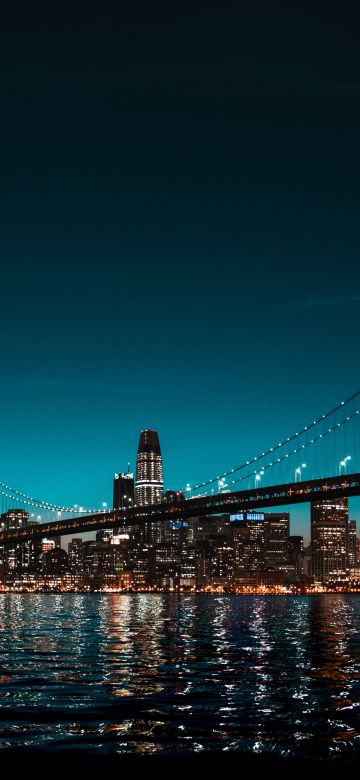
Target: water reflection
x,y
148,672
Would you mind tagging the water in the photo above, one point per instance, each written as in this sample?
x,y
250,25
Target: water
x,y
140,674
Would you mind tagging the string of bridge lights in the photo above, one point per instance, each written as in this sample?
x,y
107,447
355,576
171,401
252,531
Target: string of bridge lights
x,y
271,450
23,498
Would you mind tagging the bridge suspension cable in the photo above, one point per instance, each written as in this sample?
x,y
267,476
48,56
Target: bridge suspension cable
x,y
23,498
302,447
270,452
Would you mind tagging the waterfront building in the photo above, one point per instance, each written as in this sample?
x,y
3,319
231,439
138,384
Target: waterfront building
x,y
352,547
330,539
14,519
55,562
76,555
261,540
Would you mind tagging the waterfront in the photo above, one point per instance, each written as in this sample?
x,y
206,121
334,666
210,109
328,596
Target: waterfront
x,y
149,674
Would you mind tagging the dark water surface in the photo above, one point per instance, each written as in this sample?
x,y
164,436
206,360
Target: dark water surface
x,y
141,674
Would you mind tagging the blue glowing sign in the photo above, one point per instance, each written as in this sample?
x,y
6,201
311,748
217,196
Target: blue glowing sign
x,y
177,524
247,516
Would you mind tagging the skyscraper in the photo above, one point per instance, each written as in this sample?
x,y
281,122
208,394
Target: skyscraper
x,y
329,538
123,491
352,545
260,539
76,554
19,558
277,537
14,518
149,486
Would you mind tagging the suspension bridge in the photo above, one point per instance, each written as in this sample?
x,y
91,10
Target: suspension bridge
x,y
320,460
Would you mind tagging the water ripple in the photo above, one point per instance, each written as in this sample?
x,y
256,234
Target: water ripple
x,y
162,673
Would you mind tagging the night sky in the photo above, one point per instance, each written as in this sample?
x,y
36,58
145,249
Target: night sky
x,y
179,235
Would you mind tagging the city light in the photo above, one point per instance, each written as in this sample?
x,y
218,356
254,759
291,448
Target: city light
x,y
157,527
343,463
298,471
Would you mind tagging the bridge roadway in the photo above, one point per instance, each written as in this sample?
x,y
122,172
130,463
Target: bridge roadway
x,y
202,506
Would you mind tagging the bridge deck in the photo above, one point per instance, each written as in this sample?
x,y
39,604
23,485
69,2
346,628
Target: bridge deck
x,y
221,503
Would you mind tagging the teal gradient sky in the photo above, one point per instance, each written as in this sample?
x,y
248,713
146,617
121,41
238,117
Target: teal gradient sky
x,y
179,237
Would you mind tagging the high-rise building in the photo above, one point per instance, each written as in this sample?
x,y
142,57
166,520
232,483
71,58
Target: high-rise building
x,y
76,555
14,519
277,537
330,538
16,556
352,545
55,562
123,491
261,540
357,546
90,558
149,486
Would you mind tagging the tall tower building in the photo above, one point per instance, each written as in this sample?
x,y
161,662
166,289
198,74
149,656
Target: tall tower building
x,y
123,491
352,545
149,485
330,538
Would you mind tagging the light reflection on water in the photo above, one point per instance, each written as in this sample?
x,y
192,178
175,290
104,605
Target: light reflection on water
x,y
147,673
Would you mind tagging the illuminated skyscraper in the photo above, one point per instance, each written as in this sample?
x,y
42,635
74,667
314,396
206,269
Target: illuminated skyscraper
x,y
14,519
123,491
76,554
330,538
352,545
149,485
19,558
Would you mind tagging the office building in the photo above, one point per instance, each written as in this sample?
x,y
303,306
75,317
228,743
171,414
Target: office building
x,y
330,539
277,538
352,545
260,539
123,491
149,486
76,555
55,562
14,519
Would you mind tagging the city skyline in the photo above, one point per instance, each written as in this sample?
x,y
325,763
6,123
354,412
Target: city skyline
x,y
238,550
148,486
179,238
